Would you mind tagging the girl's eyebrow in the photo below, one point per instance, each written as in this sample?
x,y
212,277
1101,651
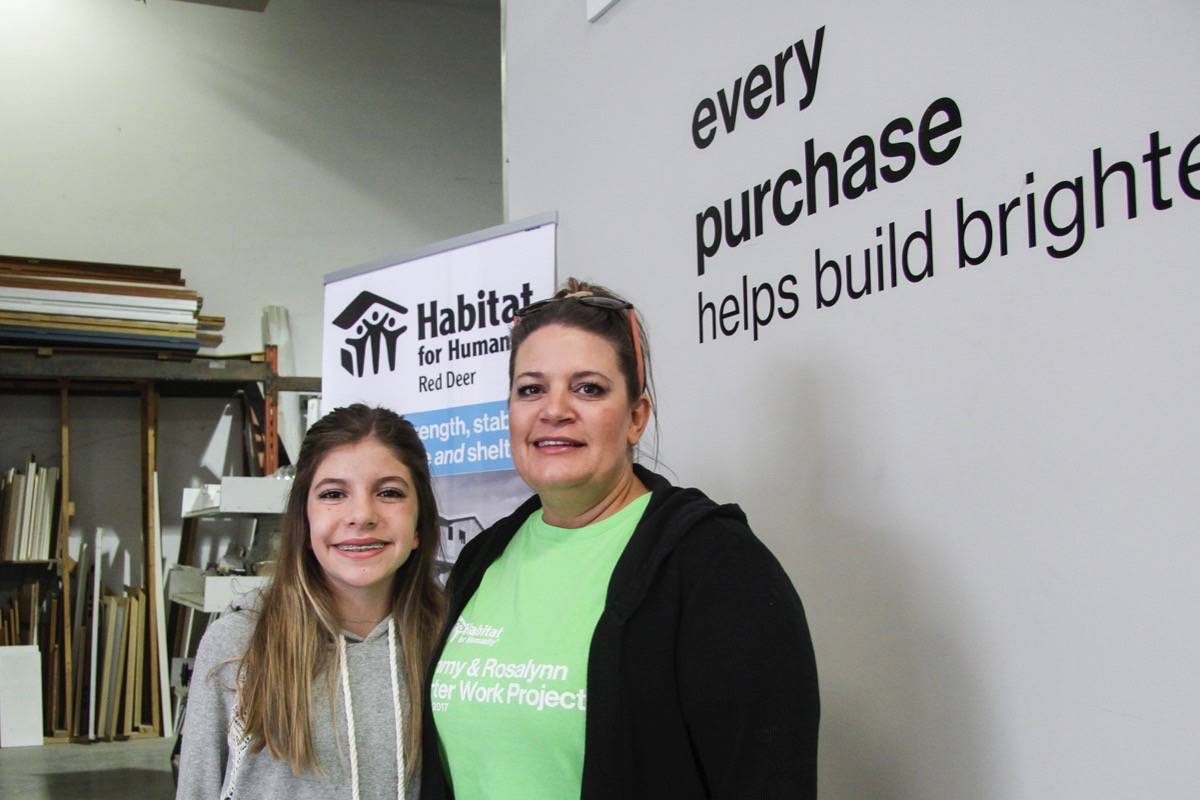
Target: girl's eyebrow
x,y
392,478
341,481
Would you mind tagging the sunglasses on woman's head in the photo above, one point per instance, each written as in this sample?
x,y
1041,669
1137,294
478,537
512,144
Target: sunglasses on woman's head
x,y
606,303
610,303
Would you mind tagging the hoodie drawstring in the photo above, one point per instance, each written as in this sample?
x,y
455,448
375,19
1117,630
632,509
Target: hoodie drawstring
x,y
400,782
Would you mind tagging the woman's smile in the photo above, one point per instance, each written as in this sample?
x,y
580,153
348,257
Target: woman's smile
x,y
556,445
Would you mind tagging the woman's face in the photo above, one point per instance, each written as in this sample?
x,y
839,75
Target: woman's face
x,y
570,419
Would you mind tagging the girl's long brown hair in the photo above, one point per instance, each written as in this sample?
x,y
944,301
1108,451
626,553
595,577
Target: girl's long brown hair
x,y
294,637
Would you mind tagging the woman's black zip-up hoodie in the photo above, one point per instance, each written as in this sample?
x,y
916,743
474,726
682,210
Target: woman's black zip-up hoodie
x,y
701,677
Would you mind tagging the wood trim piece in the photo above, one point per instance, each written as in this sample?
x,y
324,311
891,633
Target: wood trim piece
x,y
271,415
97,287
160,674
66,565
109,324
110,625
149,545
76,366
55,267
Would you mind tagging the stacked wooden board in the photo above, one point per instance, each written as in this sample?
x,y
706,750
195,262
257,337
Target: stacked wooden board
x,y
102,689
29,513
20,614
117,707
89,304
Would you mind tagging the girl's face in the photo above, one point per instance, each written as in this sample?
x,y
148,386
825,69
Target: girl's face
x,y
362,520
570,420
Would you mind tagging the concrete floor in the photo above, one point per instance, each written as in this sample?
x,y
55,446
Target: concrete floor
x,y
139,768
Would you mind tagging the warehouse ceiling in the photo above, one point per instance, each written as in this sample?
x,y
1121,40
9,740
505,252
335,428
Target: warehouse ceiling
x,y
242,5
261,5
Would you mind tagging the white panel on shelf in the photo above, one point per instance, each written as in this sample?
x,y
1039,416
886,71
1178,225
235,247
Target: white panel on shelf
x,y
237,495
254,495
189,586
20,696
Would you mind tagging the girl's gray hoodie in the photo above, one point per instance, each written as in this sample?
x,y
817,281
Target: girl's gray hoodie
x,y
216,763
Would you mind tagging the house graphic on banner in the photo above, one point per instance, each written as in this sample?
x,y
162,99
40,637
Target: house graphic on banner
x,y
456,532
374,325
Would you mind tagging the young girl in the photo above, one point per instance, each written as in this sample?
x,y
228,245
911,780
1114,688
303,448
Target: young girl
x,y
316,693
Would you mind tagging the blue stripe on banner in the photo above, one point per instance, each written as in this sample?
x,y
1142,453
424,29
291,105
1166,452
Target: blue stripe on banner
x,y
465,439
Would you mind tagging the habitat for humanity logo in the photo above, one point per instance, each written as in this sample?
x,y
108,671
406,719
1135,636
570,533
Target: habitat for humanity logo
x,y
374,325
469,633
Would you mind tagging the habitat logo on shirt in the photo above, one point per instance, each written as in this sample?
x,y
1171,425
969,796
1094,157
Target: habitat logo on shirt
x,y
468,633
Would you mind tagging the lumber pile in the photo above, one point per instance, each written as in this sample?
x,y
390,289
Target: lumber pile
x,y
89,304
29,513
19,615
96,679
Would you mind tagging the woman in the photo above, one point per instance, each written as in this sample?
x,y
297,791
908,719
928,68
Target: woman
x,y
616,636
308,696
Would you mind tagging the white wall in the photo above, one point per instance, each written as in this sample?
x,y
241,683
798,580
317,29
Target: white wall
x,y
983,483
255,151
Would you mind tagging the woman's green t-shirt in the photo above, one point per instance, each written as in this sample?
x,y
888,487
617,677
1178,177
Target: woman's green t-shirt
x,y
510,690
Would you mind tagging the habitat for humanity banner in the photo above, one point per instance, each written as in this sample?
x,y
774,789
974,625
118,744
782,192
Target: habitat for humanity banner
x,y
427,334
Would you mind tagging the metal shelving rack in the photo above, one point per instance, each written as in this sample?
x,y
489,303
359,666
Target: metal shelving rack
x,y
64,372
